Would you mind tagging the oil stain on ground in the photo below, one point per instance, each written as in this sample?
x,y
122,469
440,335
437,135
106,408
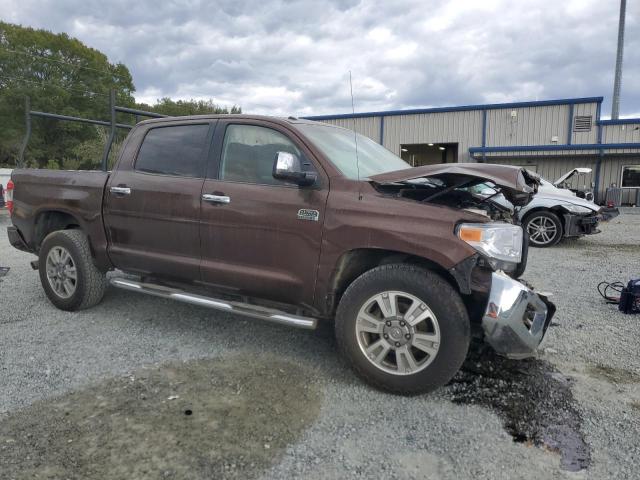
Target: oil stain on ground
x,y
531,397
221,418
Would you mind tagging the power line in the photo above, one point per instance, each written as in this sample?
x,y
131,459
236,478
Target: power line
x,y
42,57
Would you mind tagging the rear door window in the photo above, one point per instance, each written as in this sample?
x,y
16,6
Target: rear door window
x,y
177,150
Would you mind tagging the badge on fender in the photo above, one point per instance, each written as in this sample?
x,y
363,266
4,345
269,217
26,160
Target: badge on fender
x,y
306,214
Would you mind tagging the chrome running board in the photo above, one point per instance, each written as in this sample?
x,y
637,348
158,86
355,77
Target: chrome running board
x,y
246,309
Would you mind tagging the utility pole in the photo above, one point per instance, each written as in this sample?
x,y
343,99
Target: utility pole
x,y
615,104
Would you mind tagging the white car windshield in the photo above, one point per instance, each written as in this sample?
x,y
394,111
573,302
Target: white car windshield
x,y
339,145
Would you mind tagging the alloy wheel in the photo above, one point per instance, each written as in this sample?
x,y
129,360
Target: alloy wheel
x,y
542,230
61,272
397,332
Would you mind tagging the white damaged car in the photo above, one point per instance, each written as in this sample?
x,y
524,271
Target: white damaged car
x,y
556,211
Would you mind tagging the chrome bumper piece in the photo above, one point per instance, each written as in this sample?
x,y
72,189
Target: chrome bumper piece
x,y
516,318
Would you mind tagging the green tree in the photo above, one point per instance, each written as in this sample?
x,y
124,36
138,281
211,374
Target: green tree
x,y
60,75
167,106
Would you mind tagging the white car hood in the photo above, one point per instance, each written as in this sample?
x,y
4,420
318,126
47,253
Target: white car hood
x,y
546,189
548,197
571,173
562,195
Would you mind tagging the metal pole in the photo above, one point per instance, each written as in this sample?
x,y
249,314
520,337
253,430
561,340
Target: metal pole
x,y
112,134
77,119
615,104
27,134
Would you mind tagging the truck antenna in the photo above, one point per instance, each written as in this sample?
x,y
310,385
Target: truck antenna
x,y
355,137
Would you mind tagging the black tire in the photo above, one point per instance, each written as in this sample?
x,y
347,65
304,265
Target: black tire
x,y
440,297
543,216
90,283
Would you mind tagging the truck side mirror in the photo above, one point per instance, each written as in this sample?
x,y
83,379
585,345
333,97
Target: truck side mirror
x,y
288,167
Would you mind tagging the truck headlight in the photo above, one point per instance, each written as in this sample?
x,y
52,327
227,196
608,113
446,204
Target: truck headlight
x,y
577,209
500,241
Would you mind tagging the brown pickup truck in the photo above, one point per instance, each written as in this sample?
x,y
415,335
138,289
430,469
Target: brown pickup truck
x,y
293,221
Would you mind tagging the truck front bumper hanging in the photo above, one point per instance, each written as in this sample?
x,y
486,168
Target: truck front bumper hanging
x,y
516,318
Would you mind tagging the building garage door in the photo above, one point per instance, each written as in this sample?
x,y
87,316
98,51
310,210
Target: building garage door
x,y
417,154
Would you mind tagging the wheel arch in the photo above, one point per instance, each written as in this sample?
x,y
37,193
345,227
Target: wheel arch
x,y
353,263
556,209
47,221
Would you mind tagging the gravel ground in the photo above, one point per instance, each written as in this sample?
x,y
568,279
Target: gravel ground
x,y
166,390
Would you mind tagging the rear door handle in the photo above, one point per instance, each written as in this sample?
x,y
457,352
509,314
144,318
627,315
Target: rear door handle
x,y
208,197
120,190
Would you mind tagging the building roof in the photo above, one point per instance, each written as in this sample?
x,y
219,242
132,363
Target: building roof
x,y
462,108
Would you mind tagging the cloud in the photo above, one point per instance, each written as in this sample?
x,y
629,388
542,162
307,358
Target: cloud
x,y
293,56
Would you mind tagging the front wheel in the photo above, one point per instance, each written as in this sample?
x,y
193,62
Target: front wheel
x,y
403,329
544,228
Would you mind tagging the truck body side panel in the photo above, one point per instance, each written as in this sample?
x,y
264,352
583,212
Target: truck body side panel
x,y
155,229
266,241
383,223
76,193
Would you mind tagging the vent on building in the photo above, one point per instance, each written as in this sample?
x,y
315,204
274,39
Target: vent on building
x,y
582,123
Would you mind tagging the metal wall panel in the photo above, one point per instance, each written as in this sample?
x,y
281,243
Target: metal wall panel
x,y
463,128
552,167
529,126
368,126
583,109
535,125
611,173
621,133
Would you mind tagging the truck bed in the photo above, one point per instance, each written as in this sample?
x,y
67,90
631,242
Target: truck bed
x,y
72,193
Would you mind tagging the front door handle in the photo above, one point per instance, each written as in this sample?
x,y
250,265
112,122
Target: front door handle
x,y
120,190
208,197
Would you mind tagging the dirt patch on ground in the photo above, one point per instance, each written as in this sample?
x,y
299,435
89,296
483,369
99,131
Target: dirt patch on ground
x,y
533,399
635,405
613,375
221,418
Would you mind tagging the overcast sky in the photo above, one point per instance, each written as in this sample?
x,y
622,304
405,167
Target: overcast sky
x,y
293,57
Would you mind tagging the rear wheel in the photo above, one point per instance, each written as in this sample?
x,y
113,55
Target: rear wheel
x,y
403,329
67,273
544,228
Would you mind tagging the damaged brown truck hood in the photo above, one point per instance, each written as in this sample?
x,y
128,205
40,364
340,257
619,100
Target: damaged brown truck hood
x,y
517,184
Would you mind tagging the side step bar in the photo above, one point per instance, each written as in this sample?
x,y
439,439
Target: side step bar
x,y
246,309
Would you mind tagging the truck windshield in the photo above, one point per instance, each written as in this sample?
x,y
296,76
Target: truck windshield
x,y
338,144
